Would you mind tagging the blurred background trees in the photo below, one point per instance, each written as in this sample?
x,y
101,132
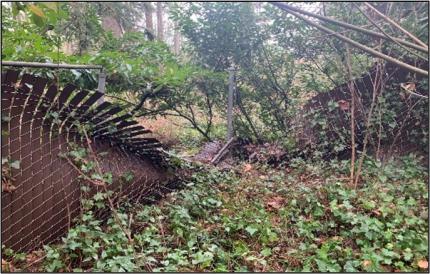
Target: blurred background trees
x,y
171,58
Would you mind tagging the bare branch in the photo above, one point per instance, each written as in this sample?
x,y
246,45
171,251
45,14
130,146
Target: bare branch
x,y
360,46
392,22
346,25
386,34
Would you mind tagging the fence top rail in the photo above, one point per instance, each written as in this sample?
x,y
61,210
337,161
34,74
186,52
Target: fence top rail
x,y
48,65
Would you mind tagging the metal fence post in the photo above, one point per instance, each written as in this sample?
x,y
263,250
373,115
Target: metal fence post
x,y
231,86
102,84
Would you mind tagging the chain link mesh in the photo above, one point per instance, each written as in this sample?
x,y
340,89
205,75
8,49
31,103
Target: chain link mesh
x,y
41,191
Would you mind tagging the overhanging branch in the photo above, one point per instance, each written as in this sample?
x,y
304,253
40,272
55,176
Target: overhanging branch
x,y
356,44
289,8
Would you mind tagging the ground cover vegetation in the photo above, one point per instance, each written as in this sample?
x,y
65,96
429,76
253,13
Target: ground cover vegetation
x,y
337,201
258,218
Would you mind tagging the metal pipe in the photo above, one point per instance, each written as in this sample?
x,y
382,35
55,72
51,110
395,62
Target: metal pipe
x,y
230,103
101,85
48,65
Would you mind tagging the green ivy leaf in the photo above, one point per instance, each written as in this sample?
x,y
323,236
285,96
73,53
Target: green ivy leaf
x,y
266,252
251,230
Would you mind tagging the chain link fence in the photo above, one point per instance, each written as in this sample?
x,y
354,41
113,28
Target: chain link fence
x,y
398,122
41,190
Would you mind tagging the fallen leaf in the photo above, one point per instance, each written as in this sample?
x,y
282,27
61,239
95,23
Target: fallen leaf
x,y
32,257
366,263
376,212
225,210
423,264
6,266
343,104
8,187
319,240
410,86
276,220
98,183
275,202
211,227
247,168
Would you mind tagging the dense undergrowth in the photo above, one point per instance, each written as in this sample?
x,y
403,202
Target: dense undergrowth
x,y
303,217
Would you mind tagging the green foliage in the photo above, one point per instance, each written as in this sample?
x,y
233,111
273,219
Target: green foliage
x,y
222,223
274,222
103,245
226,34
12,256
278,62
146,71
216,31
88,244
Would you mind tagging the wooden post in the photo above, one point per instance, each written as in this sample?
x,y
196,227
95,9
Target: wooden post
x,y
230,103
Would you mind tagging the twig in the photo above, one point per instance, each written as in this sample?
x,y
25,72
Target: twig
x,y
401,127
217,157
35,261
81,173
415,94
341,32
121,99
129,221
112,206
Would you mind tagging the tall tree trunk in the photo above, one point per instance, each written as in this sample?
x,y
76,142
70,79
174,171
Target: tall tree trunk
x,y
160,29
176,41
148,17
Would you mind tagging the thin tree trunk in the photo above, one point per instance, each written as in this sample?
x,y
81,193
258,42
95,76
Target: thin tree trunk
x,y
176,42
352,91
377,84
148,17
160,28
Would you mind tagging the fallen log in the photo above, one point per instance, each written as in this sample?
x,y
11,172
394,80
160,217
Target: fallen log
x,y
222,151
